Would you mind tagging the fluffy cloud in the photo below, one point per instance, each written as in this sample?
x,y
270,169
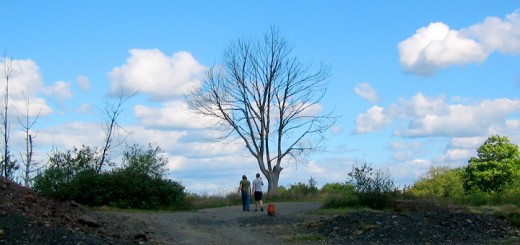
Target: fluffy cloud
x,y
25,79
424,116
459,150
496,34
59,136
157,75
24,85
366,92
60,90
460,120
171,115
437,46
374,119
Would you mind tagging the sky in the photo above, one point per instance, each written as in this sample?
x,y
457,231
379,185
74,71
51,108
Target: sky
x,y
415,84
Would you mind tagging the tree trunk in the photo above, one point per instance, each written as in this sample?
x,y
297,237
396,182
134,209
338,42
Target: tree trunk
x,y
272,181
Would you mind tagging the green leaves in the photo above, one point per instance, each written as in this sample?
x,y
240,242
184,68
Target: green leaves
x,y
373,186
138,183
495,166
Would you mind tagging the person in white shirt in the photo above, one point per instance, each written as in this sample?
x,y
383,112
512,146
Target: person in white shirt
x,y
258,193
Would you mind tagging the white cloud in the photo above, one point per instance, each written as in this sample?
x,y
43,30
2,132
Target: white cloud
x,y
459,120
157,75
467,142
24,85
374,119
37,107
437,46
421,105
423,116
171,115
25,79
458,151
495,34
60,90
366,92
59,136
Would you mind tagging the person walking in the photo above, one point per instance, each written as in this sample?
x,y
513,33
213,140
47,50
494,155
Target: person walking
x,y
245,190
257,190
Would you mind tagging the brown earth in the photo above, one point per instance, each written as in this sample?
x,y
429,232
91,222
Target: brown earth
x,y
26,218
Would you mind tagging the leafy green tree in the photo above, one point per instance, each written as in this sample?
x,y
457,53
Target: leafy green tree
x,y
440,182
494,167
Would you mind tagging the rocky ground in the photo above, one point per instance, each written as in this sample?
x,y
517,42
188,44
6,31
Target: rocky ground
x,y
26,218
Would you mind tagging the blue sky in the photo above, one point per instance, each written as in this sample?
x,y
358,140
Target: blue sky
x,y
417,84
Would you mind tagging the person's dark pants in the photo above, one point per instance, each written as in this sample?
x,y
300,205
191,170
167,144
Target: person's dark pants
x,y
245,201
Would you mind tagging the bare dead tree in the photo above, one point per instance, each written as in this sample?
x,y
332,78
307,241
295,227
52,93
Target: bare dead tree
x,y
112,129
265,97
29,167
8,165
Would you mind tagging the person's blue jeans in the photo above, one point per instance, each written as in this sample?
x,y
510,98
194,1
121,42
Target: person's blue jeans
x,y
245,201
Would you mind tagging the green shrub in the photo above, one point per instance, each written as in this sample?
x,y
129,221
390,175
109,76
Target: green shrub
x,y
64,166
341,201
304,189
138,184
375,188
440,183
337,188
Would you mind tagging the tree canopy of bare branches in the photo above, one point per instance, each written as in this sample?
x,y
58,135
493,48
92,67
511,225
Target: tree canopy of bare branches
x,y
8,164
269,99
111,127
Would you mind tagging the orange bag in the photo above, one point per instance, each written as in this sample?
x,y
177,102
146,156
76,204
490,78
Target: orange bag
x,y
271,209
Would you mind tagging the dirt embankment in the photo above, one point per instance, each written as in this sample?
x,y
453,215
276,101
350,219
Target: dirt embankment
x,y
26,218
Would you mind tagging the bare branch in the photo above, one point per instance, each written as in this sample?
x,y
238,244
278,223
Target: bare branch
x,y
112,127
265,97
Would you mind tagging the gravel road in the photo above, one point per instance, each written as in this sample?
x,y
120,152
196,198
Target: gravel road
x,y
295,223
228,225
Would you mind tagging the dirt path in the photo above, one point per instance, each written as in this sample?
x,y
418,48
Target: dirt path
x,y
294,223
228,225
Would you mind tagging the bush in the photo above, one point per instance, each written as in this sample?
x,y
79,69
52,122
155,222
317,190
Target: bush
x,y
440,183
304,189
64,167
338,188
375,188
145,192
139,183
341,201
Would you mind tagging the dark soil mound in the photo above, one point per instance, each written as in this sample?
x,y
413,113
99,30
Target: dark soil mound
x,y
416,224
26,218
